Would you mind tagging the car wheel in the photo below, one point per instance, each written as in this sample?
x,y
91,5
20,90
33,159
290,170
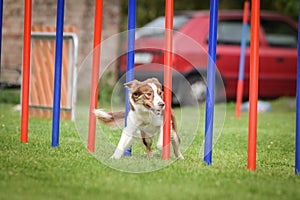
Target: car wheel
x,y
198,88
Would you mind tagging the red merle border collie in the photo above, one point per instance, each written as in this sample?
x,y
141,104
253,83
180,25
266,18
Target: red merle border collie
x,y
145,118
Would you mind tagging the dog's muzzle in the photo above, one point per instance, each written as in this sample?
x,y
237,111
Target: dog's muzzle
x,y
159,108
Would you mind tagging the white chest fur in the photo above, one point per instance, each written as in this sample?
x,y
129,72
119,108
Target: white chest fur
x,y
145,121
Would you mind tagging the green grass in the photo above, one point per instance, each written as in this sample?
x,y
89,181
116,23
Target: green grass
x,y
37,171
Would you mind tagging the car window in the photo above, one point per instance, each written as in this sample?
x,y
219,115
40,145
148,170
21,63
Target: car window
x,y
156,27
279,33
230,32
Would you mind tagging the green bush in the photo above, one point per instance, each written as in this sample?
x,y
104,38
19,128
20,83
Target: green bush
x,y
107,85
11,96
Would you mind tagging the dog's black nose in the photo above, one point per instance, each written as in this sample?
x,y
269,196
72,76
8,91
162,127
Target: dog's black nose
x,y
161,104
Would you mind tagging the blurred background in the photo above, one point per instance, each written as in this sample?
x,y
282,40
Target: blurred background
x,y
79,14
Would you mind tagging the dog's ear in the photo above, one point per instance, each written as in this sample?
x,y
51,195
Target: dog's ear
x,y
155,80
132,84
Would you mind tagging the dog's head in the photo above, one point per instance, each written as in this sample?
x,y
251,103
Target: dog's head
x,y
146,95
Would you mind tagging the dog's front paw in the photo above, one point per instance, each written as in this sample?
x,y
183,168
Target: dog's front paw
x,y
117,155
150,154
180,157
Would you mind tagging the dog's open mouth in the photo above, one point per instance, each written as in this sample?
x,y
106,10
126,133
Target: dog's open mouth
x,y
157,111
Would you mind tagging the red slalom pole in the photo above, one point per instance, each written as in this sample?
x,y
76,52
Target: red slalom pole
x,y
95,75
240,83
26,70
253,91
168,79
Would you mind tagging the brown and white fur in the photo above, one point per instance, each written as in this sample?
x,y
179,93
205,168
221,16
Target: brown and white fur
x,y
144,120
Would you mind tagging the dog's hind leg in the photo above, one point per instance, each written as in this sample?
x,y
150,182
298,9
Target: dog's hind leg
x,y
175,144
175,138
147,141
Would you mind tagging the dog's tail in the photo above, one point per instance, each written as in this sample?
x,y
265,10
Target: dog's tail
x,y
110,118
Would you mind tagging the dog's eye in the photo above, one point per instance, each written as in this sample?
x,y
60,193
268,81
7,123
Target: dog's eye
x,y
135,94
148,94
159,93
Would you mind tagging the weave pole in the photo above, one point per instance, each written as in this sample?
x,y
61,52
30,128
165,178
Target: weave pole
x,y
95,75
130,57
1,23
209,115
253,91
297,153
169,12
240,83
57,73
26,70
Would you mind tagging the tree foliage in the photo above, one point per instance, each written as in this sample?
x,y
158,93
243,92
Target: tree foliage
x,y
147,10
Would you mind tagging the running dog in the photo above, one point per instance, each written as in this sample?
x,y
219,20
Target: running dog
x,y
145,118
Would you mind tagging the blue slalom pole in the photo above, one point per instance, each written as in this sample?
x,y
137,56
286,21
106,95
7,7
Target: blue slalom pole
x,y
1,16
57,74
240,82
297,154
130,56
243,48
209,115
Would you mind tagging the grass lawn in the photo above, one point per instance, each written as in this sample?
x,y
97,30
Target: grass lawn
x,y
37,171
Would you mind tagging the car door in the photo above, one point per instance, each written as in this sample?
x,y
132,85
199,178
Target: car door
x,y
228,54
278,58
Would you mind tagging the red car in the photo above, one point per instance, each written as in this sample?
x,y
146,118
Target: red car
x,y
278,54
